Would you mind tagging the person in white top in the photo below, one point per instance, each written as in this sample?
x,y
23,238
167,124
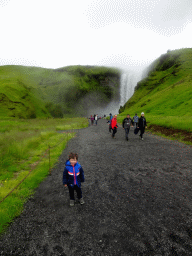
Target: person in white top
x,y
96,118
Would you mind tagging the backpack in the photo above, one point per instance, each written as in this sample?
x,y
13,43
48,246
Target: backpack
x,y
136,130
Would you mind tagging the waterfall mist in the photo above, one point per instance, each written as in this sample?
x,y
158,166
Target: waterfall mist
x,y
94,103
129,80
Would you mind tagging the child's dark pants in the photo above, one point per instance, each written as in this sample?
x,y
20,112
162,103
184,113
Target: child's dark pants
x,y
71,192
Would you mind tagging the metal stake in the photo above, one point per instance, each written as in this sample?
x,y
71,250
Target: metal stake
x,y
49,161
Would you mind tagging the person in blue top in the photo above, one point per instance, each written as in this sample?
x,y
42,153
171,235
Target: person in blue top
x,y
135,120
73,175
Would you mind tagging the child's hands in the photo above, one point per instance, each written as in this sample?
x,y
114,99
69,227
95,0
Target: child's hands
x,y
65,185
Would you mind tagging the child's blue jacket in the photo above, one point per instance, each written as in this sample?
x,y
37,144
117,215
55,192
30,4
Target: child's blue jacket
x,y
73,175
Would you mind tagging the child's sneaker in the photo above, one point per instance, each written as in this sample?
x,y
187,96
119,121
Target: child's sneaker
x,y
72,202
81,201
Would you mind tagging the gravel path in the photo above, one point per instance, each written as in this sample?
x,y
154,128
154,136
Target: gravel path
x,y
138,201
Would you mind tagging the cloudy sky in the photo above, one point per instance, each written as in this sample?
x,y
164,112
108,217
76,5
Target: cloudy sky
x,y
123,33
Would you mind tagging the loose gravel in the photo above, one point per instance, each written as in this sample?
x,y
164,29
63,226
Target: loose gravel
x,y
138,201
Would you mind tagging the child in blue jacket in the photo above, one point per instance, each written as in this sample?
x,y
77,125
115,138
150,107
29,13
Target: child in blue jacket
x,y
73,175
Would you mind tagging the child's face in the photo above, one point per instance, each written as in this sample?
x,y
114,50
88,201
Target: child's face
x,y
73,161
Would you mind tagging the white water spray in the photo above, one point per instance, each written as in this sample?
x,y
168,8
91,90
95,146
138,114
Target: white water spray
x,y
129,80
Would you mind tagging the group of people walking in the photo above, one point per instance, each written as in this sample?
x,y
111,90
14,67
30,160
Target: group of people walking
x,y
139,125
94,119
73,173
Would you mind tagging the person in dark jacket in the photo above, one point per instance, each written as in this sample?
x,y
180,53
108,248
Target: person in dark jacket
x,y
142,125
114,125
126,124
73,175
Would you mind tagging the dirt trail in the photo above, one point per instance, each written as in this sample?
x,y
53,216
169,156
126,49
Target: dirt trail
x,y
138,198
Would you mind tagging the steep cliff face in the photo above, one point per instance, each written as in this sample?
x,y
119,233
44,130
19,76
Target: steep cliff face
x,y
92,90
71,91
103,100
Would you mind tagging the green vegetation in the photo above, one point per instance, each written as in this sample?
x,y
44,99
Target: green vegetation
x,y
30,92
24,149
29,98
166,94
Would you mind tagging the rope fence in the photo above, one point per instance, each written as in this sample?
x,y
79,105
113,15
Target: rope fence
x,y
33,168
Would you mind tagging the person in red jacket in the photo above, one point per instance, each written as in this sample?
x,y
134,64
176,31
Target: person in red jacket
x,y
114,125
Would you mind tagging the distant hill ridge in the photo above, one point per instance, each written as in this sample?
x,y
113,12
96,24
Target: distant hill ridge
x,y
30,92
165,95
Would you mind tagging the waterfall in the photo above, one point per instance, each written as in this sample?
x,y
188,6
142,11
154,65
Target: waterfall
x,y
128,82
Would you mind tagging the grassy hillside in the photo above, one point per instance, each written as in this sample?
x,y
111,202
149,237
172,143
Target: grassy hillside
x,y
16,97
165,95
29,92
29,149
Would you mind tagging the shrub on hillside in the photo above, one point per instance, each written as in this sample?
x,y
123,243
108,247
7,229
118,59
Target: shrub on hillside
x,y
31,114
54,109
166,61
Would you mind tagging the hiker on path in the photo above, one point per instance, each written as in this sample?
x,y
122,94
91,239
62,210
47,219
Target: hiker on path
x,y
73,175
142,125
96,119
108,122
111,117
114,125
92,120
135,120
126,124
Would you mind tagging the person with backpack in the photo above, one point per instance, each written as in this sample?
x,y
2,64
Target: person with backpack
x,y
142,125
135,120
126,124
114,125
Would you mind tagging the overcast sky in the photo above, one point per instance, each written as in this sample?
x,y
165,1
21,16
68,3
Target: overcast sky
x,y
123,33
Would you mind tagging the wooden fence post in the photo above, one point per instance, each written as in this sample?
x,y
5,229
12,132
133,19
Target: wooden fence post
x,y
49,161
